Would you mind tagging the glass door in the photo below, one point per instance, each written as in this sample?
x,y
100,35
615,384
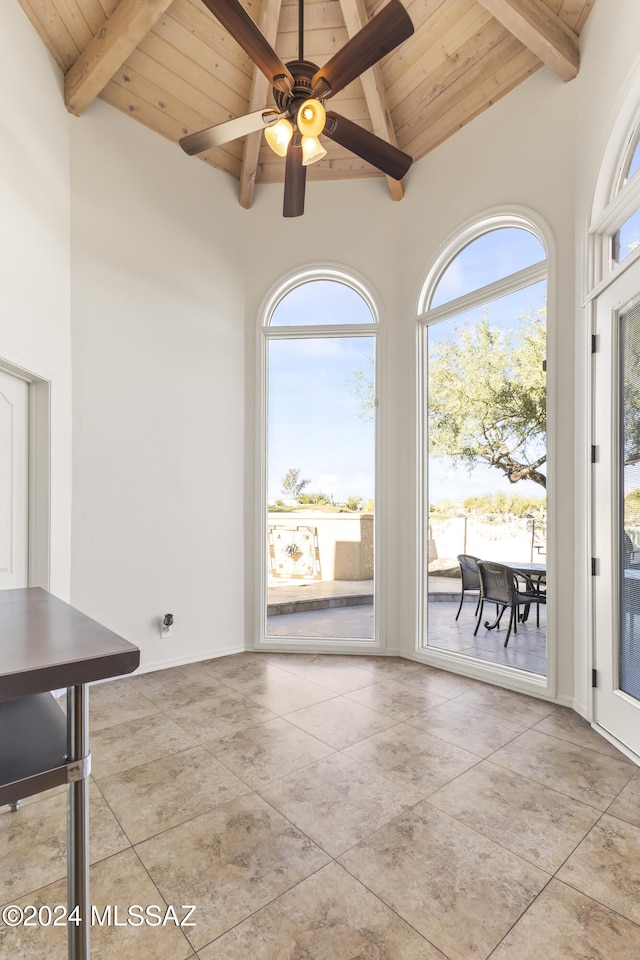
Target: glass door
x,y
617,510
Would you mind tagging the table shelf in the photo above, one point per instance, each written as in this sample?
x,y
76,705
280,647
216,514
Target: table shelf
x,y
33,746
45,645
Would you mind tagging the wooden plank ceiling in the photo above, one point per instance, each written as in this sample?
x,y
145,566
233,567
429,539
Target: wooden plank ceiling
x,y
170,65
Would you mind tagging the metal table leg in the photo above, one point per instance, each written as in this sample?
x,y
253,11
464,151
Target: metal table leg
x,y
78,822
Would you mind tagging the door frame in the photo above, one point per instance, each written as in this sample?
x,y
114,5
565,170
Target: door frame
x,y
611,707
39,493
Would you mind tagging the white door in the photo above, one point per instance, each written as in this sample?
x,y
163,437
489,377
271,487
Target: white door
x,y
616,509
14,482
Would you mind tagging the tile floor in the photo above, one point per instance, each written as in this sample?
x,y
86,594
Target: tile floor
x,y
332,808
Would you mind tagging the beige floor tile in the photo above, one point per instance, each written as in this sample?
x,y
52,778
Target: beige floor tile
x,y
395,699
167,679
442,683
627,805
127,745
565,925
413,759
229,862
480,733
285,696
219,716
337,801
575,771
243,673
116,702
568,725
179,686
395,668
339,721
606,866
301,663
460,890
534,822
268,751
33,842
119,881
158,795
508,704
329,916
341,678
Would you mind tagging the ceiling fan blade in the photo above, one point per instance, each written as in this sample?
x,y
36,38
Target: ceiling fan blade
x,y
380,36
295,178
229,130
244,31
368,146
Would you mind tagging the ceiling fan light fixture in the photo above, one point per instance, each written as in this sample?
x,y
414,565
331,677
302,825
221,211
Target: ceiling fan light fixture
x,y
312,150
278,136
311,118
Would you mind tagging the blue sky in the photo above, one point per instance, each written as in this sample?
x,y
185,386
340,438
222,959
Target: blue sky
x,y
313,418
314,422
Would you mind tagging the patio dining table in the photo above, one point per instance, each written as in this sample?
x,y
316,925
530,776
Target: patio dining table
x,y
536,572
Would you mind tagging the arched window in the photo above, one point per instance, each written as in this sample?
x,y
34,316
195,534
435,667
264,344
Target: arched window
x,y
616,225
319,334
483,322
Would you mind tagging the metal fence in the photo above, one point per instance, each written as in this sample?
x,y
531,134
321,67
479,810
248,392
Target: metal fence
x,y
515,538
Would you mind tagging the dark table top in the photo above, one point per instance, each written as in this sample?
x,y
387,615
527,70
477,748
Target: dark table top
x,y
531,568
45,644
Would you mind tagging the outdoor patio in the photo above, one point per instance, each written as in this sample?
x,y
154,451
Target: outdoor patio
x,y
339,609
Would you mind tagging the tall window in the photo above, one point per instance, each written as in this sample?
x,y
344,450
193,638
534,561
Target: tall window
x,y
484,416
320,349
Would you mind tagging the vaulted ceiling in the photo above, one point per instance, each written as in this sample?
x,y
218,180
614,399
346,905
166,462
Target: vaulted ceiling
x,y
170,65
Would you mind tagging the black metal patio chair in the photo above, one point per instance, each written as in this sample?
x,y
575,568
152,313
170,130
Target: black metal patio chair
x,y
470,578
499,585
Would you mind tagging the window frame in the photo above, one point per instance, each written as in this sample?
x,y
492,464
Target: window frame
x,y
615,201
267,332
510,217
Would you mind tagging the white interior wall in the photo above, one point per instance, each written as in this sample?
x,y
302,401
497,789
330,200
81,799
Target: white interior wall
x,y
34,249
158,361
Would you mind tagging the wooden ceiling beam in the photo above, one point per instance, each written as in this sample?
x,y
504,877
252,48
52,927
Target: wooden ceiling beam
x,y
542,31
355,18
108,50
259,97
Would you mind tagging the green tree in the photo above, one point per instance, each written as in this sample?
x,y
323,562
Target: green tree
x,y
364,388
632,505
487,398
292,486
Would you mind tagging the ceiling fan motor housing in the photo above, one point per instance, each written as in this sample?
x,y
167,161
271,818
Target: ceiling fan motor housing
x,y
302,72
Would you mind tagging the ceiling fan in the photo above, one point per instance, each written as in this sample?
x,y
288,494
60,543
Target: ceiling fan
x,y
300,89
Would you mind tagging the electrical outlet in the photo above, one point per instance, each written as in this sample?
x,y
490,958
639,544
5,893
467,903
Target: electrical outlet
x,y
166,625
